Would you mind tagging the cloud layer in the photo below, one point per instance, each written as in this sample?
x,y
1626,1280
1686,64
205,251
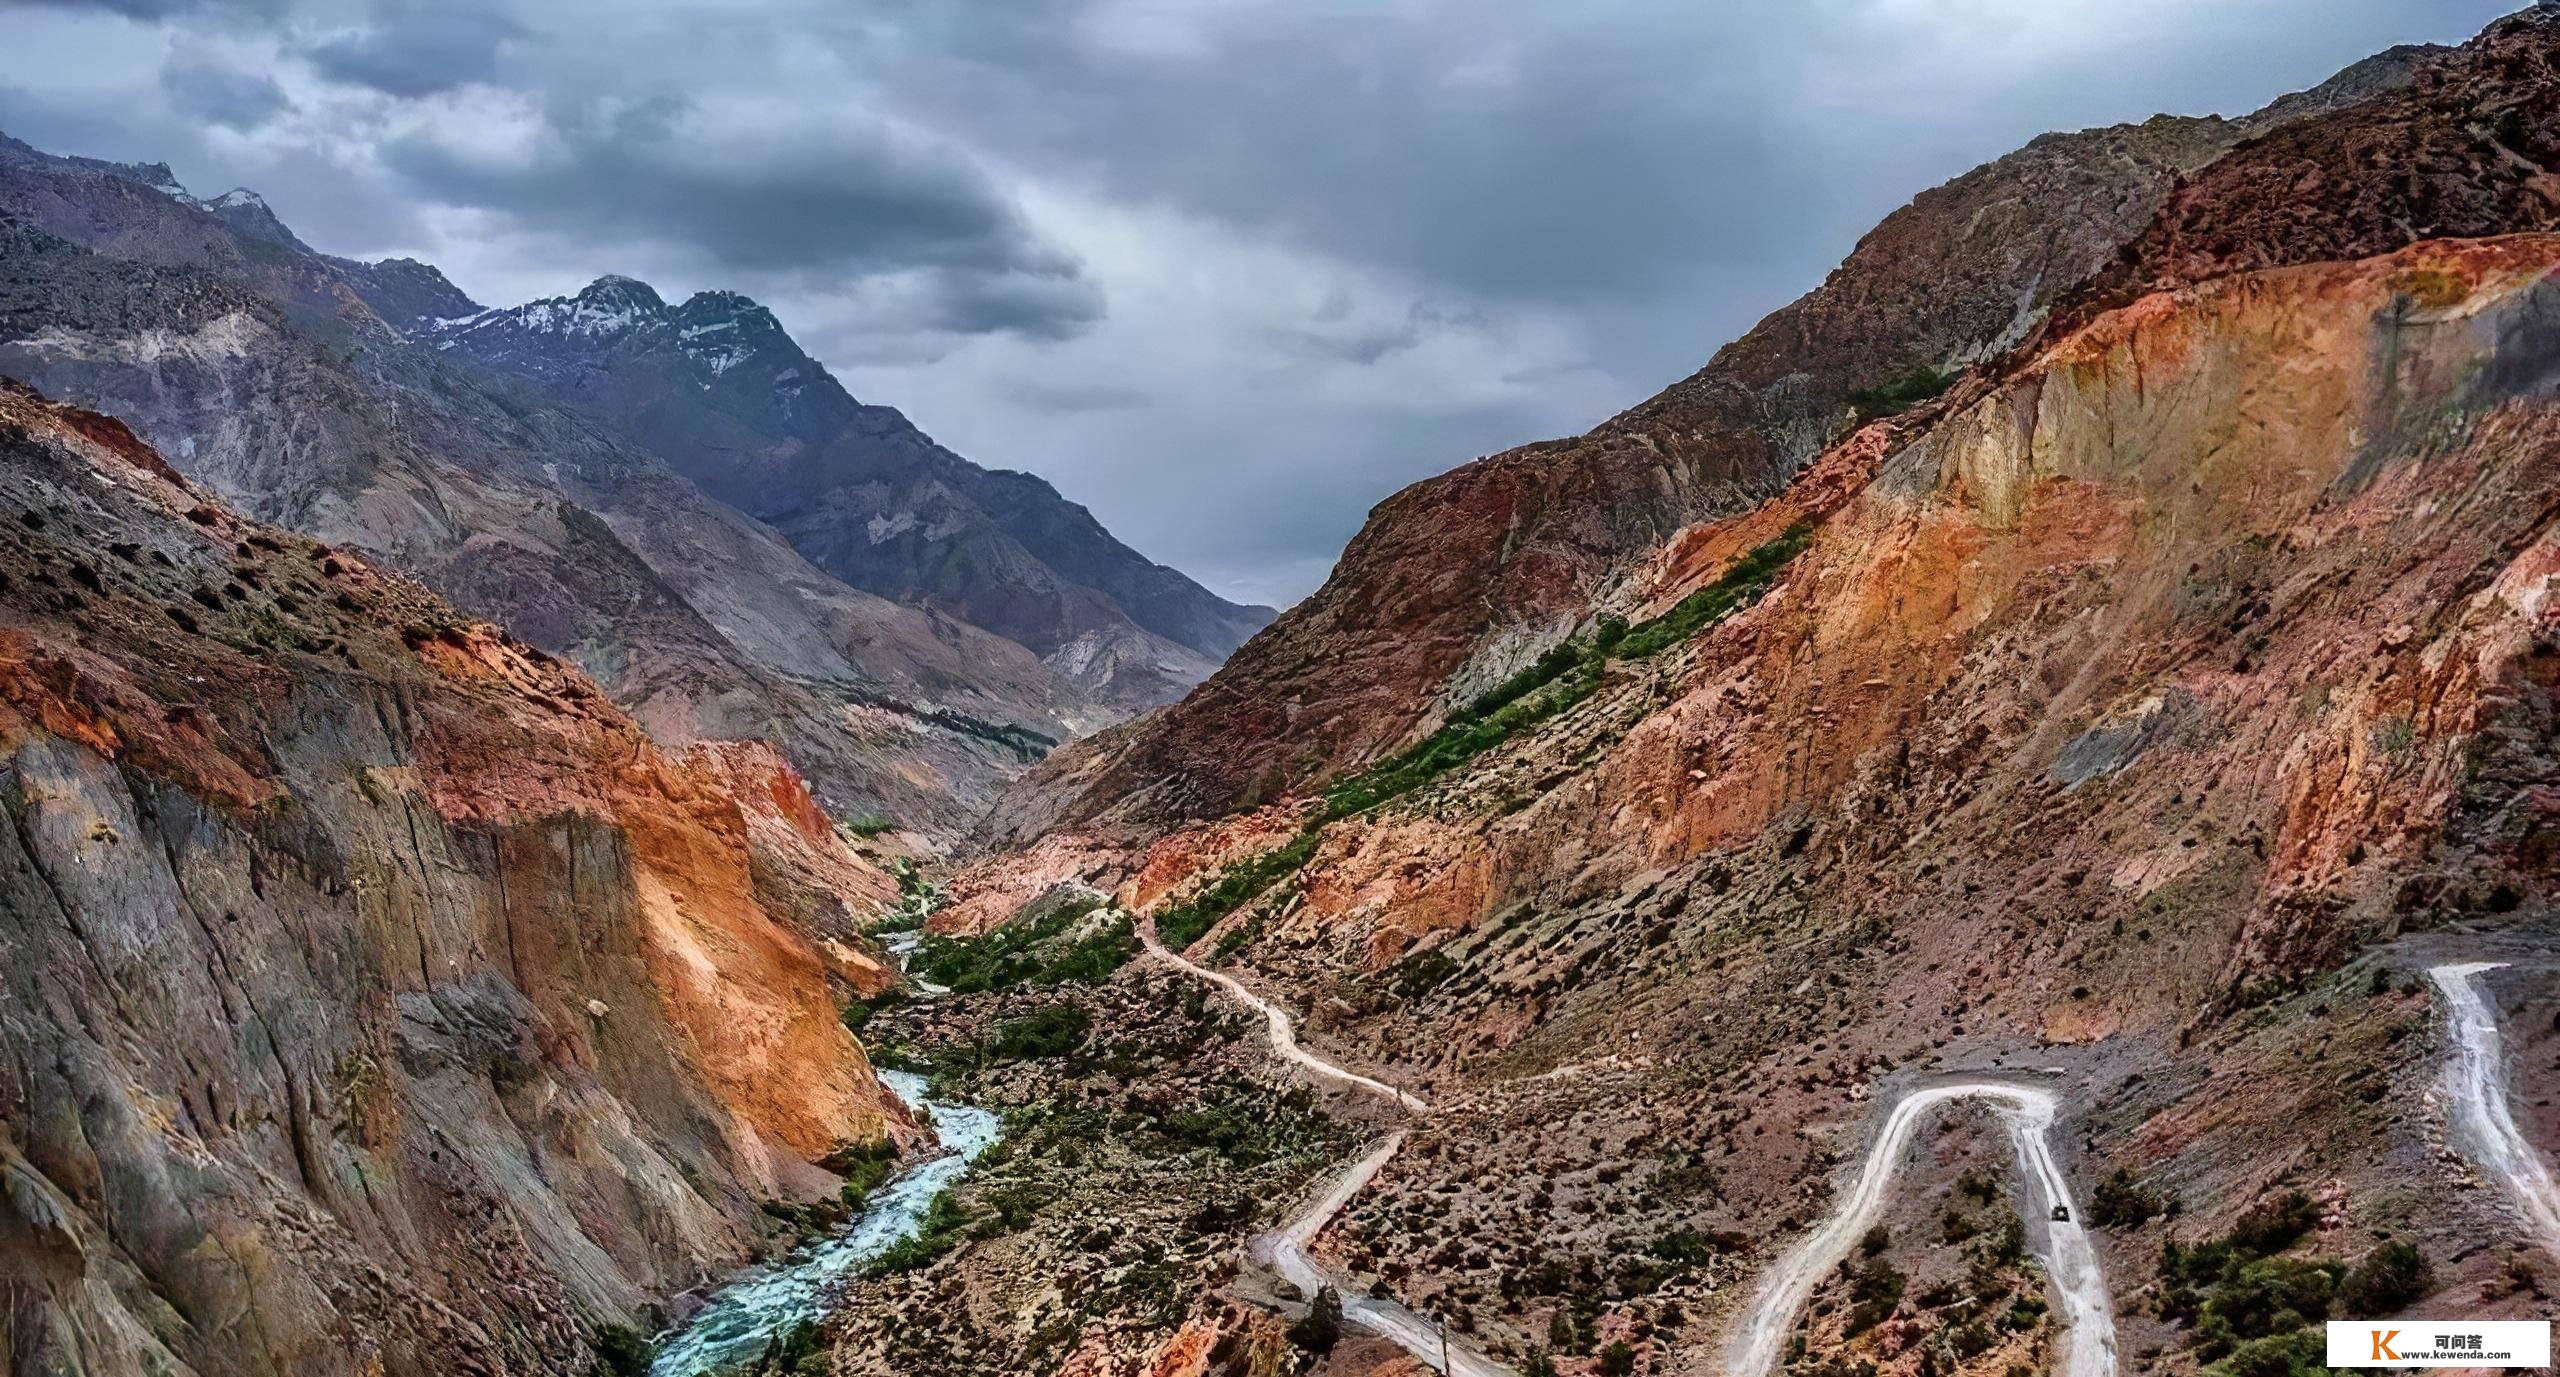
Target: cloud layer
x,y
1227,271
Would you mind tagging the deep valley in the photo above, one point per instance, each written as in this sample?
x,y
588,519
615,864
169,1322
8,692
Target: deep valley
x,y
2008,824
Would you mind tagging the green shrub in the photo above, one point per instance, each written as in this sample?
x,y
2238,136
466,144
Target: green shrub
x,y
621,1351
1321,1327
1421,973
1898,394
872,825
1739,587
1180,925
858,1013
2388,1278
1051,1031
2301,1353
2273,1295
936,1235
2272,1226
1028,952
1683,1248
2121,1202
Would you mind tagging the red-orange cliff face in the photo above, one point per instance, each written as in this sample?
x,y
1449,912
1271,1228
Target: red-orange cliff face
x,y
2226,586
1456,581
352,940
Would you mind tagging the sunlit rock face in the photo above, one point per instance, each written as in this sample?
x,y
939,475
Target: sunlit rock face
x,y
381,999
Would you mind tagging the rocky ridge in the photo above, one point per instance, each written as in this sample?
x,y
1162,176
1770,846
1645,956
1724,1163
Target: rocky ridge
x,y
715,386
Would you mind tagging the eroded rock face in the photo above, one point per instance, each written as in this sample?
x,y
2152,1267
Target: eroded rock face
x,y
1458,580
379,998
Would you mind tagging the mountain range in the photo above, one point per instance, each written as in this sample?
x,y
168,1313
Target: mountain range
x,y
912,628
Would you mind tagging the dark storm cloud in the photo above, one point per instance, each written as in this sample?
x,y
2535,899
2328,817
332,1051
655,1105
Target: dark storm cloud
x,y
758,188
1498,148
418,48
1035,394
223,95
1049,300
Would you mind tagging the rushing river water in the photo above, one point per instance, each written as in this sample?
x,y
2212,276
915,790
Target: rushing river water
x,y
748,1314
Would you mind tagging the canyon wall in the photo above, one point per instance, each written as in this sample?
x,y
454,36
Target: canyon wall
x,y
380,999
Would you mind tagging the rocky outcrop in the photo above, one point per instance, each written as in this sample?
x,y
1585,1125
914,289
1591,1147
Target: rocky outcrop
x,y
381,999
1458,580
715,386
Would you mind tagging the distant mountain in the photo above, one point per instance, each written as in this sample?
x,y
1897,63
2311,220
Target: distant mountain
x,y
293,385
719,389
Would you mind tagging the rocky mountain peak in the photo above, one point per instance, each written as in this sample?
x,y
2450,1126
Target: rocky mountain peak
x,y
719,330
609,303
247,213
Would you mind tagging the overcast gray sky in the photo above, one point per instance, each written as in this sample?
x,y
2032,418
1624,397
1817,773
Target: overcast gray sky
x,y
1226,271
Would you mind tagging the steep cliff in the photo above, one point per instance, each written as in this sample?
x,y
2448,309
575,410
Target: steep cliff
x,y
1458,580
380,998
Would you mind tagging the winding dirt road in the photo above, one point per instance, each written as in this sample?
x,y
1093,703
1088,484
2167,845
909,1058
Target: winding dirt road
x,y
1285,1249
2475,1085
1284,1035
2088,1342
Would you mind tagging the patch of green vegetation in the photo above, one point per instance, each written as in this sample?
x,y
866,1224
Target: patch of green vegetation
x,y
1875,1289
937,1234
1237,938
2255,1312
863,1166
1739,587
1237,1122
1321,1327
1054,1030
858,1013
2388,1279
2122,1202
872,825
1180,925
1898,394
1421,973
2300,1353
1030,953
1561,678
